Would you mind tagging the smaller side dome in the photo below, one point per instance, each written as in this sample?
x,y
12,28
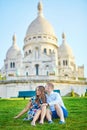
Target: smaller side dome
x,y
65,49
14,50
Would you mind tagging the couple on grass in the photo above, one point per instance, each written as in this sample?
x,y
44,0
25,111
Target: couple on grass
x,y
47,103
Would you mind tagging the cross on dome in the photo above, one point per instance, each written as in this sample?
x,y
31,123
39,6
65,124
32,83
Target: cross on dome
x,y
14,39
40,8
63,36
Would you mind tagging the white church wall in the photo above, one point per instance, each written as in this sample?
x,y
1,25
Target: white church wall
x,y
67,88
12,90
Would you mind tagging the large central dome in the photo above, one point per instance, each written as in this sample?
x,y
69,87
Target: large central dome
x,y
40,25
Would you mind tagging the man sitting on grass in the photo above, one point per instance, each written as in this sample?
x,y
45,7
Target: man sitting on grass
x,y
56,105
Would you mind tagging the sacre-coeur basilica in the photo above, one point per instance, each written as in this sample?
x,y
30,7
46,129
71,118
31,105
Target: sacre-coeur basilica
x,y
43,60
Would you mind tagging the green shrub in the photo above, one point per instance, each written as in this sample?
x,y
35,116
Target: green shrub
x,y
72,93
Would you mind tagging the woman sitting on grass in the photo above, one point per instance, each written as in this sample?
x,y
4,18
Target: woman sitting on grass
x,y
36,107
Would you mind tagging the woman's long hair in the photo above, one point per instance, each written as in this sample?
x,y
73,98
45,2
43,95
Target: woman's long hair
x,y
42,97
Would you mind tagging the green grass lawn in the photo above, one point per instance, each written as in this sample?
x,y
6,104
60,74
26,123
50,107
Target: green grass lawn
x,y
77,119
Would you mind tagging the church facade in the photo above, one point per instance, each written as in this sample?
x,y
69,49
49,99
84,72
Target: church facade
x,y
42,55
43,59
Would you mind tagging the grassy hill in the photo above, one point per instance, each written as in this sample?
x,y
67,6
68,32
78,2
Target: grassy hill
x,y
77,119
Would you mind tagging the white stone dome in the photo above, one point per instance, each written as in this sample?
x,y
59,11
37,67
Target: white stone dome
x,y
40,25
14,50
65,49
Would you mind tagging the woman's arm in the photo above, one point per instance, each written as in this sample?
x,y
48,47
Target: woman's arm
x,y
23,111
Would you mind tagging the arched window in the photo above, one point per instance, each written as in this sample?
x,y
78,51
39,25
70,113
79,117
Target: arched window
x,y
59,63
36,53
39,36
13,64
34,37
45,50
29,51
65,62
26,73
30,38
6,66
37,69
49,51
47,73
66,75
26,53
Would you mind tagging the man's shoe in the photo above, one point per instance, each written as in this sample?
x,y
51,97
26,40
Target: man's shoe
x,y
61,122
50,122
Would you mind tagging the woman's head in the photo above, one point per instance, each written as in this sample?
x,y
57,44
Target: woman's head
x,y
40,93
40,90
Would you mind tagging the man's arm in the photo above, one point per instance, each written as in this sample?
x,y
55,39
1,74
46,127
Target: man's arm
x,y
56,101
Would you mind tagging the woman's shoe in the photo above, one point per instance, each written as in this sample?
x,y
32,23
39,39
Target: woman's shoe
x,y
33,123
41,122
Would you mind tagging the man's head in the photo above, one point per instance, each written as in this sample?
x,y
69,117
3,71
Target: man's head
x,y
49,87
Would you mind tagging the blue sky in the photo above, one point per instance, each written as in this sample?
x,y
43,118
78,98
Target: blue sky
x,y
69,16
